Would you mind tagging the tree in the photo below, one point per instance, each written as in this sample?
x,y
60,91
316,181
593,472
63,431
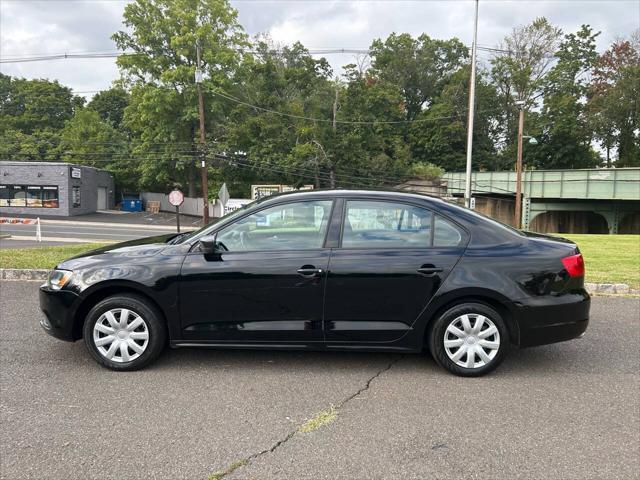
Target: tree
x,y
278,141
439,135
163,112
86,139
519,70
110,105
32,112
420,67
614,104
371,148
565,139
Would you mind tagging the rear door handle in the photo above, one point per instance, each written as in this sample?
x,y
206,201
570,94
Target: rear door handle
x,y
310,271
429,271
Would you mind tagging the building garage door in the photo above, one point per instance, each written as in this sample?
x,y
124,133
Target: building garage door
x,y
102,198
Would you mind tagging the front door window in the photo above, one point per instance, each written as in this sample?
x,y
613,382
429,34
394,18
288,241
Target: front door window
x,y
292,226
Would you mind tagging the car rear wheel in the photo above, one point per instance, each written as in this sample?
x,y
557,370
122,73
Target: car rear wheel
x,y
469,340
124,332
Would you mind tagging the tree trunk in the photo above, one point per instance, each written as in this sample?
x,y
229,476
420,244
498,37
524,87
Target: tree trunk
x,y
191,180
317,173
332,176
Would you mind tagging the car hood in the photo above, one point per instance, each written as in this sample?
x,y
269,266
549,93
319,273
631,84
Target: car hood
x,y
142,247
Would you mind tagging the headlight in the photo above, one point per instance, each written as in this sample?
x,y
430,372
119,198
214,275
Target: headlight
x,y
58,279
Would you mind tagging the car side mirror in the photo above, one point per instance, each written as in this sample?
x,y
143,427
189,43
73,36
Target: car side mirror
x,y
210,247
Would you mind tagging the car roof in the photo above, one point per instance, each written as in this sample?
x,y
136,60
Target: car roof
x,y
333,192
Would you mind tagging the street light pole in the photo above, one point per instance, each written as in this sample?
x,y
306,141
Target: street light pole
x,y
517,220
203,164
472,101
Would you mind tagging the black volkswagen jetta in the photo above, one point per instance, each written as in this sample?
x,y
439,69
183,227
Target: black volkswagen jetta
x,y
326,270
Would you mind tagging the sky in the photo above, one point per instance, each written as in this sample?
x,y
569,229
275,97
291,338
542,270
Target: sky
x,y
29,27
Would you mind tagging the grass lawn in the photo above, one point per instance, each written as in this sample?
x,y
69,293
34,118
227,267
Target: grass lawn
x,y
608,258
42,257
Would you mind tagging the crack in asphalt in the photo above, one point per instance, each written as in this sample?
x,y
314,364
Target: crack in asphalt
x,y
245,461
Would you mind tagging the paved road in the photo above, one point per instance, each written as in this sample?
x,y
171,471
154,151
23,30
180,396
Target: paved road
x,y
118,233
562,411
110,227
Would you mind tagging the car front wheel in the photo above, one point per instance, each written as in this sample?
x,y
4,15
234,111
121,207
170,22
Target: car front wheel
x,y
124,332
469,340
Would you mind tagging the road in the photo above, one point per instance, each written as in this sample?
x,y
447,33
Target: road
x,y
110,232
562,411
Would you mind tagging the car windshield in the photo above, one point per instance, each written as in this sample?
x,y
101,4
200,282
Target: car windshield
x,y
186,237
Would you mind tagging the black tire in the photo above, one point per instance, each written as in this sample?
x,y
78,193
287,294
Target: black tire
x,y
157,331
439,329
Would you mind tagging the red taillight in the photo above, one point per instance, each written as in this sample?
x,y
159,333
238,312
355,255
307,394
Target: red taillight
x,y
574,265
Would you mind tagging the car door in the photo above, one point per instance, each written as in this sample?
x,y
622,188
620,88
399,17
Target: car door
x,y
268,286
386,269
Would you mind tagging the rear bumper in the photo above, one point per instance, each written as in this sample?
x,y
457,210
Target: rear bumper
x,y
57,307
551,319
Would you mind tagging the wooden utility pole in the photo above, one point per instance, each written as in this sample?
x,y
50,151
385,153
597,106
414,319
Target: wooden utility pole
x,y
203,164
517,220
332,173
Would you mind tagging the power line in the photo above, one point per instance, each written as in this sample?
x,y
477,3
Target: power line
x,y
346,122
26,58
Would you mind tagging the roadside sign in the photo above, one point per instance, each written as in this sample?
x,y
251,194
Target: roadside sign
x,y
176,198
223,194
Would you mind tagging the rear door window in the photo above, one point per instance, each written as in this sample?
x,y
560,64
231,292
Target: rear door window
x,y
375,224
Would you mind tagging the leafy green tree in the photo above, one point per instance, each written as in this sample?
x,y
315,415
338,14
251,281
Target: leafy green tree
x,y
565,139
163,113
32,112
613,102
88,140
371,149
32,105
110,105
519,72
439,135
419,67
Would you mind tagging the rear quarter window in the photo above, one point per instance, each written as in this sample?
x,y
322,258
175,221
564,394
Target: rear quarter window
x,y
446,234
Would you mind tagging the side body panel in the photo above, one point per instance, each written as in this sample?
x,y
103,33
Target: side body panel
x,y
253,297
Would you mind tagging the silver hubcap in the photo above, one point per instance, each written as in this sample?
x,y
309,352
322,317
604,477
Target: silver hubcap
x,y
120,335
471,340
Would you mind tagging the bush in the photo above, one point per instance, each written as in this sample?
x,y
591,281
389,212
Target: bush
x,y
425,171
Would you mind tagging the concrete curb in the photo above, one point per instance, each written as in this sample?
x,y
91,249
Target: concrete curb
x,y
23,274
594,288
611,289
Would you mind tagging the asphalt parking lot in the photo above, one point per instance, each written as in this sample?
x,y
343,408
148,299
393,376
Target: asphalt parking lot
x,y
568,410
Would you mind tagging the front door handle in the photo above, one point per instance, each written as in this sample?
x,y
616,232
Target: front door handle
x,y
429,271
309,271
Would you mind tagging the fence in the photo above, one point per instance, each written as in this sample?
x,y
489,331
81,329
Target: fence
x,y
25,221
191,206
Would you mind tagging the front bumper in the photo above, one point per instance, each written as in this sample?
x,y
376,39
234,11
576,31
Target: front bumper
x,y
58,307
551,319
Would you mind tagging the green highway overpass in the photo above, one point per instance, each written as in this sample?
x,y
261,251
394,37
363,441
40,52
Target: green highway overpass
x,y
568,201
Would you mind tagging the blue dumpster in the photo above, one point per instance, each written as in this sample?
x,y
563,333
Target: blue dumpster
x,y
131,203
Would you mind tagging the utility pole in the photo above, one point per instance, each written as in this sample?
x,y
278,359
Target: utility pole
x,y
332,173
517,220
203,164
472,101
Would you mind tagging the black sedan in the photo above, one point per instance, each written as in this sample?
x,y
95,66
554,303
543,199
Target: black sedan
x,y
326,270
